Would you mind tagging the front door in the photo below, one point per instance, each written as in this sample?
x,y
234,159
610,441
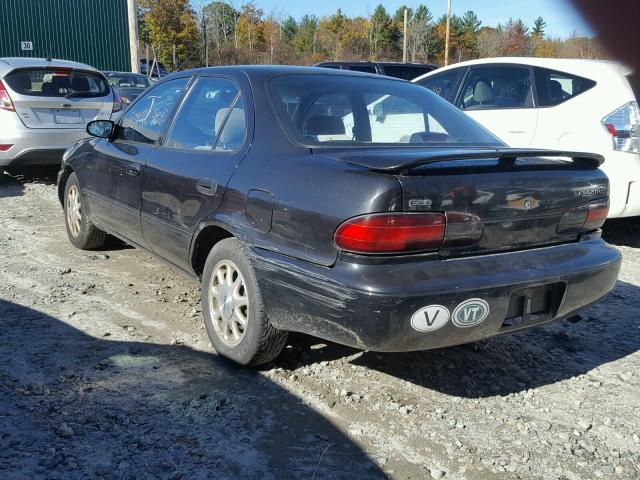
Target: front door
x,y
500,98
112,181
185,178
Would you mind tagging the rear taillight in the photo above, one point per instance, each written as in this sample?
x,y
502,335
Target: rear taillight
x,y
408,232
5,100
624,127
117,103
5,146
392,233
585,217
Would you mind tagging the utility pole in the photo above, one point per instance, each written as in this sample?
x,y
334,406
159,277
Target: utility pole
x,y
174,57
206,43
446,38
133,35
404,38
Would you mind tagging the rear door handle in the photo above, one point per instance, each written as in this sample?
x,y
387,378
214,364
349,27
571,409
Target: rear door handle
x,y
207,186
132,170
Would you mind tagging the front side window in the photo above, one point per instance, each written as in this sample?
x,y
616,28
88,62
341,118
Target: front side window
x,y
497,87
211,118
555,87
40,82
343,110
443,84
144,121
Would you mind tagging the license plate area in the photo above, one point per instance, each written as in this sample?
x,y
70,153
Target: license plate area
x,y
528,306
67,116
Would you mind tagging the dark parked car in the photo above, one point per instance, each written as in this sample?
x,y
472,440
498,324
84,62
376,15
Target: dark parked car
x,y
406,71
127,85
277,188
157,68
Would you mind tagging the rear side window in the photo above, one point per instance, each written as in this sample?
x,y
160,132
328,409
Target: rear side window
x,y
57,83
406,72
555,87
444,83
497,87
363,68
144,120
211,118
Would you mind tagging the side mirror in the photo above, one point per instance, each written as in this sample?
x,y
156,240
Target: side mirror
x,y
100,128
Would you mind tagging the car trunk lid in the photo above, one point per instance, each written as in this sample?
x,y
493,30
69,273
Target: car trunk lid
x,y
520,196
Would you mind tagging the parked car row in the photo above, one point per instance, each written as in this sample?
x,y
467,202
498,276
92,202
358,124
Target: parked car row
x,y
362,209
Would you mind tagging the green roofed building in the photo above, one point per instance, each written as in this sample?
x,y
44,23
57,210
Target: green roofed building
x,y
94,32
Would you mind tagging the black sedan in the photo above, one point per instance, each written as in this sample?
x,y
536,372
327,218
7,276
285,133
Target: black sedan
x,y
360,209
127,85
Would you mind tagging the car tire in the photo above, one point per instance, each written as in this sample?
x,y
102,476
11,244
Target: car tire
x,y
81,232
234,314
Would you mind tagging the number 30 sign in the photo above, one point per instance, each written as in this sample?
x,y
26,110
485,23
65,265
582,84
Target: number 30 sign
x,y
27,45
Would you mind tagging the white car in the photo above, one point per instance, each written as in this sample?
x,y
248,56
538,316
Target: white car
x,y
45,106
563,104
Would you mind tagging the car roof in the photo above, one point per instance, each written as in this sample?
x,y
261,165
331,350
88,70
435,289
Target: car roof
x,y
266,71
115,72
369,62
577,66
11,63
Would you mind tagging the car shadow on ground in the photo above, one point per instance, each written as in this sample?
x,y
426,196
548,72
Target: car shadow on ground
x,y
507,364
73,406
13,185
624,232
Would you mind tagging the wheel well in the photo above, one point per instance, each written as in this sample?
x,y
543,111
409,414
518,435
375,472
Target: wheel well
x,y
62,183
207,238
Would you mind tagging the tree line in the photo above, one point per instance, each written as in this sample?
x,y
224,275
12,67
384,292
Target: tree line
x,y
219,33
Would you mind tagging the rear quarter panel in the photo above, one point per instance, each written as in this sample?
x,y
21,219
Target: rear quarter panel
x,y
312,196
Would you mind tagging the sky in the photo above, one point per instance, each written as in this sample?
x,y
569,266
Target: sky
x,y
562,19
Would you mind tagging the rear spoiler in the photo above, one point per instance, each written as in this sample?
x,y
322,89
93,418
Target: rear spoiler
x,y
406,160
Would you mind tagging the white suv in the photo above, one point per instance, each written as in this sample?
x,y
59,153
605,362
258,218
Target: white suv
x,y
45,106
564,104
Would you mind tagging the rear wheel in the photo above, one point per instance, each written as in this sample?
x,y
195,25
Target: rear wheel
x,y
81,232
234,314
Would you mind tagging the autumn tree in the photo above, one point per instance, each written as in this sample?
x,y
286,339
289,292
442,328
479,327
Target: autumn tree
x,y
516,39
168,23
381,32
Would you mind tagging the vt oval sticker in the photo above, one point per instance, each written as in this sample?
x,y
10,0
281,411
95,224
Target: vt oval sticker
x,y
430,318
470,312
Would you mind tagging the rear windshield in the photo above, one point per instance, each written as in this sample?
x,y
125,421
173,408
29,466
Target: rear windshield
x,y
139,82
347,110
57,83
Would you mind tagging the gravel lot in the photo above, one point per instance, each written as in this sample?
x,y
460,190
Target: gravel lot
x,y
106,372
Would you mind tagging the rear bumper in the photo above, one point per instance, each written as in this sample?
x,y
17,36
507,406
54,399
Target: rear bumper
x,y
623,170
370,306
36,146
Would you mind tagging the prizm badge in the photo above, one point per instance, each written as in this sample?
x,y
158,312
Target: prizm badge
x,y
420,203
592,191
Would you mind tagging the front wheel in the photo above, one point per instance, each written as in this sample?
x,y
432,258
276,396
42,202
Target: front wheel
x,y
234,314
81,232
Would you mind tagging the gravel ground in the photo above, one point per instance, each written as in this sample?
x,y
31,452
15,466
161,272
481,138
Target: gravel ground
x,y
106,372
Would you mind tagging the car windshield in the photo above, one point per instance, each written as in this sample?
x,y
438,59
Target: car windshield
x,y
139,82
52,82
321,110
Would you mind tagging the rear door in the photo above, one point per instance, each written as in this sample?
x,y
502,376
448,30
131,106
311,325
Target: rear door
x,y
500,97
60,98
185,178
112,179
